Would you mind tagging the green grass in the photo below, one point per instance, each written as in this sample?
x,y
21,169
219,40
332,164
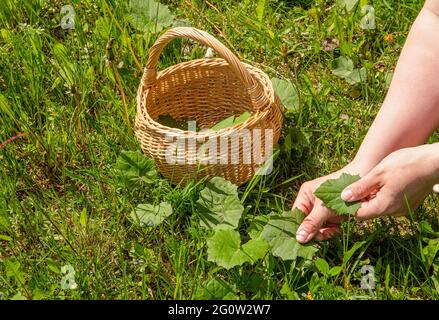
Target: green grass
x,y
74,99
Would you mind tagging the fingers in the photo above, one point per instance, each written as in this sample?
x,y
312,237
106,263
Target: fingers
x,y
303,201
327,232
331,228
313,222
378,206
361,189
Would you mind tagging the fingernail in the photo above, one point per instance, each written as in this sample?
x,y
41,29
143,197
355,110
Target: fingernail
x,y
301,236
346,195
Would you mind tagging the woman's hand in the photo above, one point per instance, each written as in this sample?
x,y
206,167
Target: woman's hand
x,y
320,222
406,119
402,179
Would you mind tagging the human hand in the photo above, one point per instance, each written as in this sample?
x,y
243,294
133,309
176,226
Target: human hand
x,y
320,222
401,180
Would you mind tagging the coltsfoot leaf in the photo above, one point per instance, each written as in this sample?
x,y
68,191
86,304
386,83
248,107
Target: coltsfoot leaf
x,y
219,206
216,289
280,233
344,68
224,248
257,225
330,193
255,249
149,15
357,76
133,166
287,93
148,215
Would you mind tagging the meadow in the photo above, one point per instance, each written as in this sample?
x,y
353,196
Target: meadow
x,y
72,177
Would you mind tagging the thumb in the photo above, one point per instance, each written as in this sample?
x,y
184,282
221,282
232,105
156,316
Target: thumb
x,y
312,223
360,189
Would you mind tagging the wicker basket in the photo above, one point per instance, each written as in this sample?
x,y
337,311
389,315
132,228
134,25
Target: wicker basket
x,y
206,91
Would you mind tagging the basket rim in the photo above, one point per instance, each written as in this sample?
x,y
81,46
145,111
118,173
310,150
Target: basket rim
x,y
255,117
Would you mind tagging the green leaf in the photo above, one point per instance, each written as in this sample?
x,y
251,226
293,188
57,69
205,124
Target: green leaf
x,y
83,218
53,266
5,107
257,226
287,93
348,4
216,289
296,139
231,121
225,123
357,76
288,293
348,254
429,253
132,166
242,118
18,296
170,122
330,193
280,231
147,215
103,27
388,77
5,224
335,271
219,206
344,68
256,283
260,10
149,15
181,23
224,248
228,122
13,271
6,34
426,230
322,266
4,237
255,249
63,62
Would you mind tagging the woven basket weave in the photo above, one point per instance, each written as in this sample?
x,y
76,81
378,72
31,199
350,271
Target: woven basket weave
x,y
206,91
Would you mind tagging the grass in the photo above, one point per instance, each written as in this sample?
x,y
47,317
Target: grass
x,y
70,95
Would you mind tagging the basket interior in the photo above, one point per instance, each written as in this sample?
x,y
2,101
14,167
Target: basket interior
x,y
205,93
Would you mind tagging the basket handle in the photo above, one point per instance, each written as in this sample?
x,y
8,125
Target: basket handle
x,y
150,73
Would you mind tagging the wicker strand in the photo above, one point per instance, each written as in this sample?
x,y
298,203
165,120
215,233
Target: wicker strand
x,y
149,77
208,40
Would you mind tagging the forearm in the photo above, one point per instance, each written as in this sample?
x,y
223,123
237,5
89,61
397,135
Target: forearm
x,y
410,112
432,5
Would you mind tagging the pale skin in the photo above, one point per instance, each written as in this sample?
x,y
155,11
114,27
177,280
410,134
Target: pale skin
x,y
398,169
